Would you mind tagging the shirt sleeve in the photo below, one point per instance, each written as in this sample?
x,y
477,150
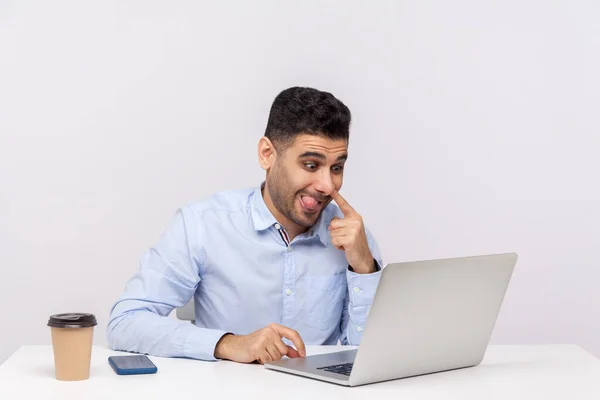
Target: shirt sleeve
x,y
168,276
359,297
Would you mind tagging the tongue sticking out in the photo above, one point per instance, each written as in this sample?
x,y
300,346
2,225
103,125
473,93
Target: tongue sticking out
x,y
309,203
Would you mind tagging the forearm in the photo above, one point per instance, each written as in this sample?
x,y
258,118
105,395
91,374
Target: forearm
x,y
361,291
147,332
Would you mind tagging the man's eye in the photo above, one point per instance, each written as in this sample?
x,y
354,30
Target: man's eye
x,y
337,169
311,166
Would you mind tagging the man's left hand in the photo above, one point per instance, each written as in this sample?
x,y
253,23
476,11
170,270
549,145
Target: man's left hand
x,y
349,234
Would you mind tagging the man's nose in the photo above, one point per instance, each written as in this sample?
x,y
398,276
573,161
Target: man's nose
x,y
325,184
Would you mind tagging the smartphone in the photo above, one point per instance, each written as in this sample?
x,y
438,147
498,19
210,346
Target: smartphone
x,y
132,365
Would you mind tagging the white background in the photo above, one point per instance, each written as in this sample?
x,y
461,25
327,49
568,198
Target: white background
x,y
476,130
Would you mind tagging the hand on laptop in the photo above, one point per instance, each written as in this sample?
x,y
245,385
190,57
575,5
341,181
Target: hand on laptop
x,y
263,345
348,234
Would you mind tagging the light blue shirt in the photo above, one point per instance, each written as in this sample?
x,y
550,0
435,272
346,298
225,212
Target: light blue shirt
x,y
227,253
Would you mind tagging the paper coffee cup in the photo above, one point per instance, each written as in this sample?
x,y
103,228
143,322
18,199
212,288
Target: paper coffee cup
x,y
72,335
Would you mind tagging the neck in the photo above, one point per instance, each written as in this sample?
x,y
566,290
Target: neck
x,y
292,228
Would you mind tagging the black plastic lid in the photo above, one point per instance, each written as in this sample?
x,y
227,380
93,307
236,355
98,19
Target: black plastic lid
x,y
72,320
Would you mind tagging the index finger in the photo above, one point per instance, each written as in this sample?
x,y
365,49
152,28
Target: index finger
x,y
294,337
342,203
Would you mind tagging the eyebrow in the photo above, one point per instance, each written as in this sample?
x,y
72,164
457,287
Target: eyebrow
x,y
320,156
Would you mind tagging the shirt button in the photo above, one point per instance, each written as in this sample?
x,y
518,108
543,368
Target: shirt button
x,y
277,226
289,248
356,290
288,291
359,329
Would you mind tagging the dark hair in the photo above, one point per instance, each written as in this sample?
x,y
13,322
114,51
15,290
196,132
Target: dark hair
x,y
299,110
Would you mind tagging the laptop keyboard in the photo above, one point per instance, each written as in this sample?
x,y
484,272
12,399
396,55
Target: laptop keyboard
x,y
343,369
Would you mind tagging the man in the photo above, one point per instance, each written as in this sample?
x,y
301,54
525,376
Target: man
x,y
269,269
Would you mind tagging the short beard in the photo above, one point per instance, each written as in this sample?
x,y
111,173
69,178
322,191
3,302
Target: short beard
x,y
283,198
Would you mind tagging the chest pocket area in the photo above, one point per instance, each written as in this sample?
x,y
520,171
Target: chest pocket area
x,y
324,301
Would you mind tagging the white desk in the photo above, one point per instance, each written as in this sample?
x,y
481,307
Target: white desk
x,y
507,372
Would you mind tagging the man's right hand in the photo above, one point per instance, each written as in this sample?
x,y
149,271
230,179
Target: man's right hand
x,y
262,346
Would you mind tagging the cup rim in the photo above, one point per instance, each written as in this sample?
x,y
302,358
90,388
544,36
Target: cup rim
x,y
72,320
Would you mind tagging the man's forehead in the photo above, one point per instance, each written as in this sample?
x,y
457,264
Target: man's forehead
x,y
326,146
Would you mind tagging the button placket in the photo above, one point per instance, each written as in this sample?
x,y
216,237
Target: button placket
x,y
289,289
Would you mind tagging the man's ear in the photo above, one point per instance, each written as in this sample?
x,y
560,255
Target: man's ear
x,y
266,153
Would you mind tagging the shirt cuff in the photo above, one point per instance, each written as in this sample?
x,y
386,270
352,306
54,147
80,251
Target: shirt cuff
x,y
362,288
200,343
361,292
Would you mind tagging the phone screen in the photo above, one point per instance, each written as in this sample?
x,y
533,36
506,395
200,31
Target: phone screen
x,y
133,362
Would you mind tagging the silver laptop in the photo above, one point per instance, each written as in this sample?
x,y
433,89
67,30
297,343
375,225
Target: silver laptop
x,y
427,316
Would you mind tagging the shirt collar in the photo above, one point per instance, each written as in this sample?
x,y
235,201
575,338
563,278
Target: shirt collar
x,y
262,218
320,228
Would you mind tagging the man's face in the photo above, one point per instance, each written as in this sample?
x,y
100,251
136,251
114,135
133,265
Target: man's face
x,y
303,177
